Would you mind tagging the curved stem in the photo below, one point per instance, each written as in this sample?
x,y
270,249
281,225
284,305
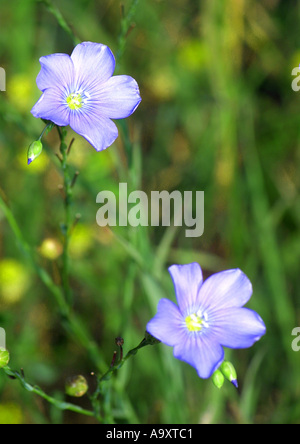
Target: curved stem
x,y
61,405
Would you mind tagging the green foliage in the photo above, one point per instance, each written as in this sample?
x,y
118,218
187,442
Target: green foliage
x,y
218,114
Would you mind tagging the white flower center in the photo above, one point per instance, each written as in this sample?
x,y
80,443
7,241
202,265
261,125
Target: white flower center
x,y
77,99
196,321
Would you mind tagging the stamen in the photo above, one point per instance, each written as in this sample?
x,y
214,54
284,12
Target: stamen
x,y
77,99
196,321
74,101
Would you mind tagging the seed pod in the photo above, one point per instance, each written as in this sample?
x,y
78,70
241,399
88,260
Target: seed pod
x,y
76,386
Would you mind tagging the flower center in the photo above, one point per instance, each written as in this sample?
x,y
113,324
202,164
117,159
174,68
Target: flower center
x,y
75,100
196,321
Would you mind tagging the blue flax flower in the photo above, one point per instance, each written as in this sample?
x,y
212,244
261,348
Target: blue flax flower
x,y
209,315
81,91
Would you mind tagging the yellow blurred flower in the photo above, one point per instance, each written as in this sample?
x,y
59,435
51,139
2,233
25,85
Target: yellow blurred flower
x,y
81,241
193,55
14,281
10,413
295,60
20,91
51,249
163,83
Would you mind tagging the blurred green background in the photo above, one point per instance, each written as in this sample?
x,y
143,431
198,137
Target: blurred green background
x,y
219,115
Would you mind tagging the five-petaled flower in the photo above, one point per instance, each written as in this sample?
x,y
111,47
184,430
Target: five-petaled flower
x,y
209,315
81,91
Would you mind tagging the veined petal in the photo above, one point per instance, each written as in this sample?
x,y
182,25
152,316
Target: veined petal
x,y
229,288
117,98
94,64
187,280
99,131
167,325
236,327
56,69
200,352
52,106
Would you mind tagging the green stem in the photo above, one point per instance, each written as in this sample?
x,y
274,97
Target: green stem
x,y
38,391
60,19
66,228
71,322
29,255
120,364
126,25
108,374
47,128
148,340
61,405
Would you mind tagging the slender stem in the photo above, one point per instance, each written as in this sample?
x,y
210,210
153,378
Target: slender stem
x,y
48,127
106,377
70,321
126,27
61,405
38,391
66,228
73,324
60,19
118,365
30,256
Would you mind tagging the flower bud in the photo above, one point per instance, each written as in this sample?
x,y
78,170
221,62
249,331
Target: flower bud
x,y
4,357
34,151
76,386
218,379
119,341
229,372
